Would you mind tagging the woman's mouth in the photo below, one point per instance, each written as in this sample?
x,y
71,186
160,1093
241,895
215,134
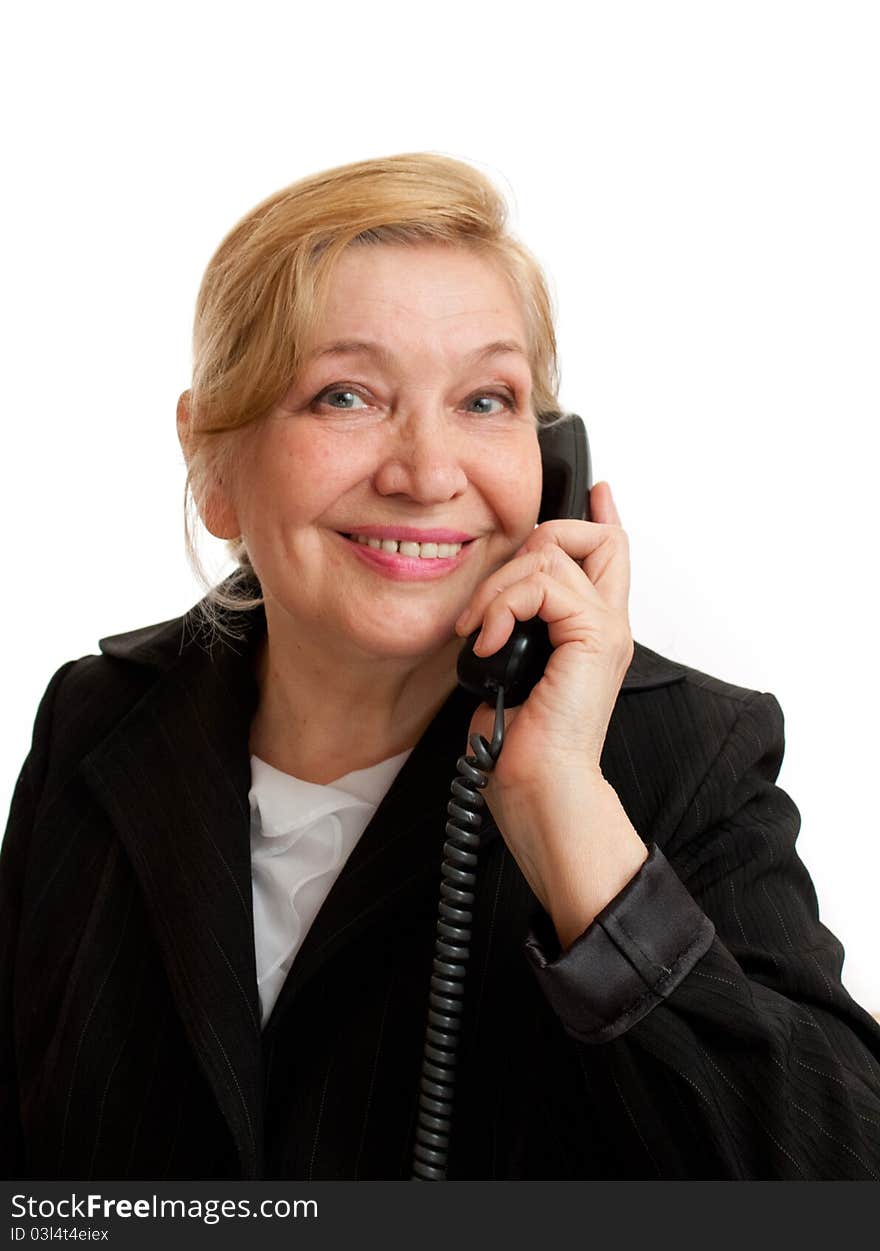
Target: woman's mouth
x,y
405,560
423,551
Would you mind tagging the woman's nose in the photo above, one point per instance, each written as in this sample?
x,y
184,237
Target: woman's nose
x,y
422,460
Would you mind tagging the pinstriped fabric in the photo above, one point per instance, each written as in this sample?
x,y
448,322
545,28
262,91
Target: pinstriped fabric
x,y
789,1091
698,1029
368,1102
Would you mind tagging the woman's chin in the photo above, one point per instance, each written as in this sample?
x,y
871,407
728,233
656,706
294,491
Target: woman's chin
x,y
413,641
386,630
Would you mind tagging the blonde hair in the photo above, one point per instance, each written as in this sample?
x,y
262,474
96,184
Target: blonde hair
x,y
265,288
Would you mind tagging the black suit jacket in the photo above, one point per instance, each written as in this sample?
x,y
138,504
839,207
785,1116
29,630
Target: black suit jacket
x,y
697,1029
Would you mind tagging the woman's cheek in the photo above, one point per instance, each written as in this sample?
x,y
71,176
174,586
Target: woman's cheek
x,y
521,498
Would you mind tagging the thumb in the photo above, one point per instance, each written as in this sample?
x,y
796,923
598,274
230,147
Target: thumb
x,y
602,507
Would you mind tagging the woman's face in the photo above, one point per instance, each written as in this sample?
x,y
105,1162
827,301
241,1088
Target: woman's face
x,y
422,434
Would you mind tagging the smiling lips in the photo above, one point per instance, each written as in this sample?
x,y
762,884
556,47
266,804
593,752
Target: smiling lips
x,y
399,555
408,534
424,551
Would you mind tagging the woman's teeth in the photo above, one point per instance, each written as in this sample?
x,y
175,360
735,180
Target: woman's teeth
x,y
425,551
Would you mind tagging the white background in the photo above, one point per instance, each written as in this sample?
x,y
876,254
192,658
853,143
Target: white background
x,y
700,182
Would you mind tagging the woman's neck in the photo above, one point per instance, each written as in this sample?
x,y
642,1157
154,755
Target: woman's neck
x,y
319,720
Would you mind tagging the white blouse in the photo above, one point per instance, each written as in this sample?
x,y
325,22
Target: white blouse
x,y
302,833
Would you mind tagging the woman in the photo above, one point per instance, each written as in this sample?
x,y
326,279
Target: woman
x,y
221,869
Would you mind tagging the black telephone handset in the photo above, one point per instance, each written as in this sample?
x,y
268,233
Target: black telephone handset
x,y
503,679
518,665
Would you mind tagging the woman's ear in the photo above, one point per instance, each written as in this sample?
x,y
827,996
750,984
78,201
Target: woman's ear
x,y
213,501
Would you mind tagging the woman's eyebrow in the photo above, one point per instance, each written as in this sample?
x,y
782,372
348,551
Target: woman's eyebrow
x,y
352,347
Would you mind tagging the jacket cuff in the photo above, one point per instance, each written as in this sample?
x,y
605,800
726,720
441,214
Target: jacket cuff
x,y
631,956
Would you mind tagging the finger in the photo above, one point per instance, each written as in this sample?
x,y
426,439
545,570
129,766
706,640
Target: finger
x,y
602,506
601,549
548,559
564,611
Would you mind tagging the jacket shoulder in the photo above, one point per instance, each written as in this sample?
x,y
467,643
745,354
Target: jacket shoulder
x,y
694,712
685,754
95,693
691,722
649,670
88,696
156,644
84,700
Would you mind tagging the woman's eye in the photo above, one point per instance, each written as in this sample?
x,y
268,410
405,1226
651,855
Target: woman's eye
x,y
493,395
333,391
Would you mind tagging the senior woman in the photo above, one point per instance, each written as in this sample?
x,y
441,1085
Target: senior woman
x,y
221,869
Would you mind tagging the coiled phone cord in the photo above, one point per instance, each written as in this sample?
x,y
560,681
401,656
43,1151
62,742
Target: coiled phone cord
x,y
451,951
